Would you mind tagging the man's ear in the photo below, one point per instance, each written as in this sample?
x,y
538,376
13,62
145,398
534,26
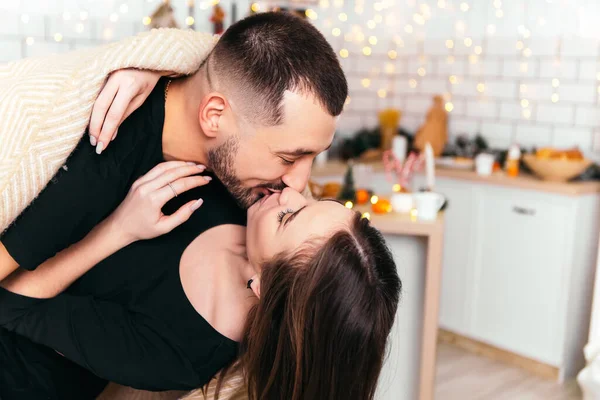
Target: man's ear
x,y
210,113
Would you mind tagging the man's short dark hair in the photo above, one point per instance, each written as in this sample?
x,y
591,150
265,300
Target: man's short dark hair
x,y
266,54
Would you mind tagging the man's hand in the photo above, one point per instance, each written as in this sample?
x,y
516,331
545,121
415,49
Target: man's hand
x,y
124,92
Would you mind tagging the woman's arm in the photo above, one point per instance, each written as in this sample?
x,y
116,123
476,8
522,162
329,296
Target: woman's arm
x,y
138,217
59,272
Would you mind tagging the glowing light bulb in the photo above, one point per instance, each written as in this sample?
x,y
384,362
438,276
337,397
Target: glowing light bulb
x,y
146,21
374,199
397,187
520,45
390,68
343,17
336,32
366,82
311,14
527,52
373,40
468,42
473,59
344,53
481,87
367,51
349,204
382,93
366,215
371,24
189,21
421,71
478,50
499,13
412,83
524,103
453,79
58,37
555,98
555,83
449,107
255,7
449,44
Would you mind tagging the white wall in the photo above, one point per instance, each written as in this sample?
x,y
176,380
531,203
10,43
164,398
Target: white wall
x,y
538,64
534,46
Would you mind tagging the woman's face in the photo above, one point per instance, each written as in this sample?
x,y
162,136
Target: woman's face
x,y
283,221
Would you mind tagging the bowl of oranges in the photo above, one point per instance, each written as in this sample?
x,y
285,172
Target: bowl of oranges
x,y
557,165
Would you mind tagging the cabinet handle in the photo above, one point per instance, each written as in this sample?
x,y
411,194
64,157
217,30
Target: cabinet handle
x,y
523,211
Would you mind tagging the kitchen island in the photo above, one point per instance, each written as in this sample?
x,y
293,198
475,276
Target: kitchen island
x,y
396,228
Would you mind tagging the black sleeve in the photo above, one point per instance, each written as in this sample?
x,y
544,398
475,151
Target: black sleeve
x,y
112,342
79,197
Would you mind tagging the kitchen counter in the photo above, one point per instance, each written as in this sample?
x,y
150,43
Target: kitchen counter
x,y
523,181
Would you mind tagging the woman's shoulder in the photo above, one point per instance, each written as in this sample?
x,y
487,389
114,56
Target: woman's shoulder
x,y
210,282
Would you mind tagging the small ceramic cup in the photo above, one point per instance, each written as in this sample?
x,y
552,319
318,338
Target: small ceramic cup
x,y
428,204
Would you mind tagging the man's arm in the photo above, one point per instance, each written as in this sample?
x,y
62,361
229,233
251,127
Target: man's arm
x,y
7,264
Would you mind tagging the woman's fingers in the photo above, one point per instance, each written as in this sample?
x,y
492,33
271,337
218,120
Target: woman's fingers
x,y
114,116
180,186
173,174
161,169
100,109
169,222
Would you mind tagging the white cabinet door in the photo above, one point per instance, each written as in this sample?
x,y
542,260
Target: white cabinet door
x,y
518,271
457,262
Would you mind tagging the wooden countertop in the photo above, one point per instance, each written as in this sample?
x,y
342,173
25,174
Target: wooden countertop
x,y
523,181
403,224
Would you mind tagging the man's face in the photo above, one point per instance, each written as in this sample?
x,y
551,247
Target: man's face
x,y
265,159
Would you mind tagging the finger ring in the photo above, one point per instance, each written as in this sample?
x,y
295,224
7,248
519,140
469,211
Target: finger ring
x,y
172,188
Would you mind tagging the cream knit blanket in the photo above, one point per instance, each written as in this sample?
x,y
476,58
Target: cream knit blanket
x,y
45,107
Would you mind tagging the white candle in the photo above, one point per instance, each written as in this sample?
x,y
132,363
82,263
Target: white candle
x,y
399,148
429,166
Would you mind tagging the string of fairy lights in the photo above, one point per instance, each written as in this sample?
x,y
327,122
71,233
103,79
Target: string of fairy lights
x,y
361,26
120,10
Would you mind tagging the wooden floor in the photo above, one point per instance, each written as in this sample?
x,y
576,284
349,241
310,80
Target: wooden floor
x,y
465,376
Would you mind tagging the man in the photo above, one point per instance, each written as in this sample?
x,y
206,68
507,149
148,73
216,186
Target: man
x,y
256,113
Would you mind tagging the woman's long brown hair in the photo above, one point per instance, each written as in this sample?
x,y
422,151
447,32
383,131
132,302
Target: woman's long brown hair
x,y
321,326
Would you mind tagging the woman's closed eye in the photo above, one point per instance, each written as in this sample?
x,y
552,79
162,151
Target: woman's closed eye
x,y
291,216
282,214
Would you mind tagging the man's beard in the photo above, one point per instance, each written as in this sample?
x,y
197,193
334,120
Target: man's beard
x,y
221,161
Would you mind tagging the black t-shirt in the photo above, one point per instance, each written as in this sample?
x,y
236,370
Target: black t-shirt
x,y
128,319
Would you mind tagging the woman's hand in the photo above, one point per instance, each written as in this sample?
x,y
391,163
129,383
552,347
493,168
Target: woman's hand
x,y
140,217
124,92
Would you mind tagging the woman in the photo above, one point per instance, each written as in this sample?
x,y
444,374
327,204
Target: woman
x,y
325,294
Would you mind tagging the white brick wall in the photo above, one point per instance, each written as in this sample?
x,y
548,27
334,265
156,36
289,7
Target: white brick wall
x,y
485,49
539,65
